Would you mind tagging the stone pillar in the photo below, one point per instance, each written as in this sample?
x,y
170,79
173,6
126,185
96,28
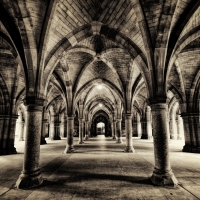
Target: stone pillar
x,y
65,126
149,126
119,131
128,127
178,121
80,131
7,134
114,130
135,133
86,131
21,130
138,125
144,129
70,133
191,130
30,175
162,174
57,130
172,126
44,128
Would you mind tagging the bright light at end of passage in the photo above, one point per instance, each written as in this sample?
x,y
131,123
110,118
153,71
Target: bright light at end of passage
x,y
99,87
100,105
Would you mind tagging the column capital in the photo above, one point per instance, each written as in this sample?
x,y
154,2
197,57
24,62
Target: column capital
x,y
128,115
157,100
158,106
8,116
189,114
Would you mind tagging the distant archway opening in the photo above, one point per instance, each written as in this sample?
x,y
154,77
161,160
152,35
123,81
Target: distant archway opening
x,y
100,128
101,125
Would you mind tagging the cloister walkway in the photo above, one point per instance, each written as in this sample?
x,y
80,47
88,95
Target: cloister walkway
x,y
99,169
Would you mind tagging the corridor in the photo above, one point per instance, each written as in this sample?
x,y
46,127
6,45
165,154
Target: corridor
x,y
99,169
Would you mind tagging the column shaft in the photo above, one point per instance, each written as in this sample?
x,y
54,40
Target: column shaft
x,y
70,132
80,131
21,130
31,176
128,127
86,131
162,174
119,132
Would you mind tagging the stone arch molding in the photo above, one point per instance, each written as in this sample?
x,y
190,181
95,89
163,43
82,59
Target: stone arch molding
x,y
92,29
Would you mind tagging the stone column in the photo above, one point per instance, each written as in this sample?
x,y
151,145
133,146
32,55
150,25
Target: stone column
x,y
114,130
86,131
31,175
44,128
80,131
173,128
70,133
119,131
178,121
21,130
128,126
144,129
57,130
162,174
138,125
11,134
7,134
188,138
135,133
65,126
149,126
191,130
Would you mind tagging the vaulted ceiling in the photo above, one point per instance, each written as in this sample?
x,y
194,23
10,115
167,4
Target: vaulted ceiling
x,y
66,49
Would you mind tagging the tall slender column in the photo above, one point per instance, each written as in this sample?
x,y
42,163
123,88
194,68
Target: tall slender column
x,y
86,131
114,129
135,133
44,128
80,131
144,129
119,131
21,130
179,127
57,130
138,125
149,126
191,130
162,174
31,175
70,132
128,127
65,126
7,134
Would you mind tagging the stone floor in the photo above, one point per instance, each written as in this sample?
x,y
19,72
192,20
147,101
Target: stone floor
x,y
99,169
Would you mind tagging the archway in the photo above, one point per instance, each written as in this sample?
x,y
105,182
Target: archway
x,y
101,125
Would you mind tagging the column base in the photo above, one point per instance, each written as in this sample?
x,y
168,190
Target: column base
x,y
187,148
80,142
29,180
57,138
114,137
43,142
86,137
69,149
192,149
21,139
129,150
144,137
119,141
8,151
164,179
